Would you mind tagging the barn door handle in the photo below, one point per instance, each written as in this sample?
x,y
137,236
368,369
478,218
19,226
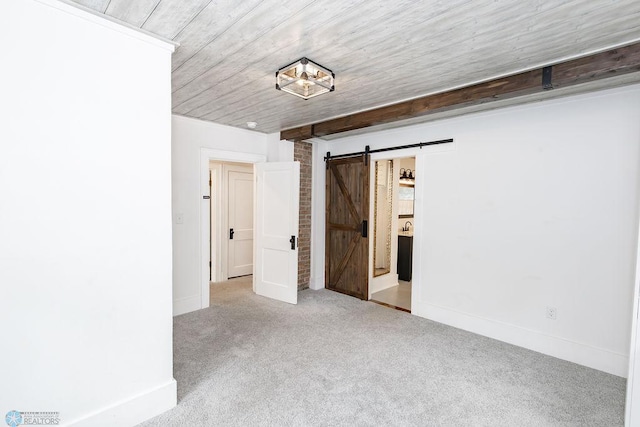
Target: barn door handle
x,y
365,228
292,240
231,233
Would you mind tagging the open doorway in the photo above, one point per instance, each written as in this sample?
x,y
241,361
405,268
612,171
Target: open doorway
x,y
231,213
211,265
231,231
275,213
393,224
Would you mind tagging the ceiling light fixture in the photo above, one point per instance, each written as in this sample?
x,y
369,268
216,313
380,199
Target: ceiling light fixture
x,y
252,125
305,78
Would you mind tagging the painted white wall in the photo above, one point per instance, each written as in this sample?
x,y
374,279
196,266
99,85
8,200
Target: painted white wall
x,y
278,150
85,246
190,139
318,178
531,207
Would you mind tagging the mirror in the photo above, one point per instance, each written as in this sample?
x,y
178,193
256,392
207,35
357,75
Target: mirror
x,y
406,197
383,203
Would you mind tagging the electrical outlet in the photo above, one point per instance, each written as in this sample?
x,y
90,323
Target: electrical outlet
x,y
552,313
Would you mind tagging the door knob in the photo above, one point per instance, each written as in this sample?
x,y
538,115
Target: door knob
x,y
231,234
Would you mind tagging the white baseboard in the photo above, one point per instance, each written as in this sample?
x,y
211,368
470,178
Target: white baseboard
x,y
186,305
582,354
134,410
316,283
381,283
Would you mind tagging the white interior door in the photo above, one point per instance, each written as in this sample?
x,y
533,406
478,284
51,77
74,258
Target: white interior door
x,y
240,220
277,204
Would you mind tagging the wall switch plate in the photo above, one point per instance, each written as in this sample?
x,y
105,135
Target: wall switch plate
x,y
552,313
179,218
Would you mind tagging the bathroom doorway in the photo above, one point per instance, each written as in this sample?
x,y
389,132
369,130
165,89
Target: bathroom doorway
x,y
393,227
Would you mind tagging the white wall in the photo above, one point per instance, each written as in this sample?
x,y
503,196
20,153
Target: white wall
x,y
318,177
85,246
533,206
189,138
278,150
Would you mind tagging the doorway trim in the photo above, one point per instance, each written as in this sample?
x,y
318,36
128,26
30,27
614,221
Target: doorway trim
x,y
207,155
416,273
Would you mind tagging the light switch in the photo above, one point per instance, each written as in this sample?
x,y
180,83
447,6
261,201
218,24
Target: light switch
x,y
179,218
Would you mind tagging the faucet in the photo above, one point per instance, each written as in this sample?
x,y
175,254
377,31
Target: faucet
x,y
407,227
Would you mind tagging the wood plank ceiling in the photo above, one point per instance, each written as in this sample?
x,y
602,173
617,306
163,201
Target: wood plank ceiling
x,y
382,52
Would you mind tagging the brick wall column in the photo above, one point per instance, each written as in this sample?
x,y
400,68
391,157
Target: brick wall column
x,y
302,153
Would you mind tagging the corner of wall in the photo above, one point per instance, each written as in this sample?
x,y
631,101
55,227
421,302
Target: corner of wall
x,y
186,305
279,150
316,283
582,354
134,410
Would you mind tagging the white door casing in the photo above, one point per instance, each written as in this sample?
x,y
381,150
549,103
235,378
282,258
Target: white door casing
x,y
217,231
632,407
276,221
240,220
207,155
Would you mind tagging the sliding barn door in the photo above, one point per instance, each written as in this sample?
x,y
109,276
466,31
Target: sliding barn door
x,y
347,244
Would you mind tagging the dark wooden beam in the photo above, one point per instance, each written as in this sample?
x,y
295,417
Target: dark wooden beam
x,y
598,66
297,134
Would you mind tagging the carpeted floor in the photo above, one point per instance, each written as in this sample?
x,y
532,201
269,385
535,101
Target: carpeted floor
x,y
333,360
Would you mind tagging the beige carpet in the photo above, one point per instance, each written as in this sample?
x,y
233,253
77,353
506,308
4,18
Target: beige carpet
x,y
334,360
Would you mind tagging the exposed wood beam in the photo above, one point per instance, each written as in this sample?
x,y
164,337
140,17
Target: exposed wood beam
x,y
297,134
602,65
